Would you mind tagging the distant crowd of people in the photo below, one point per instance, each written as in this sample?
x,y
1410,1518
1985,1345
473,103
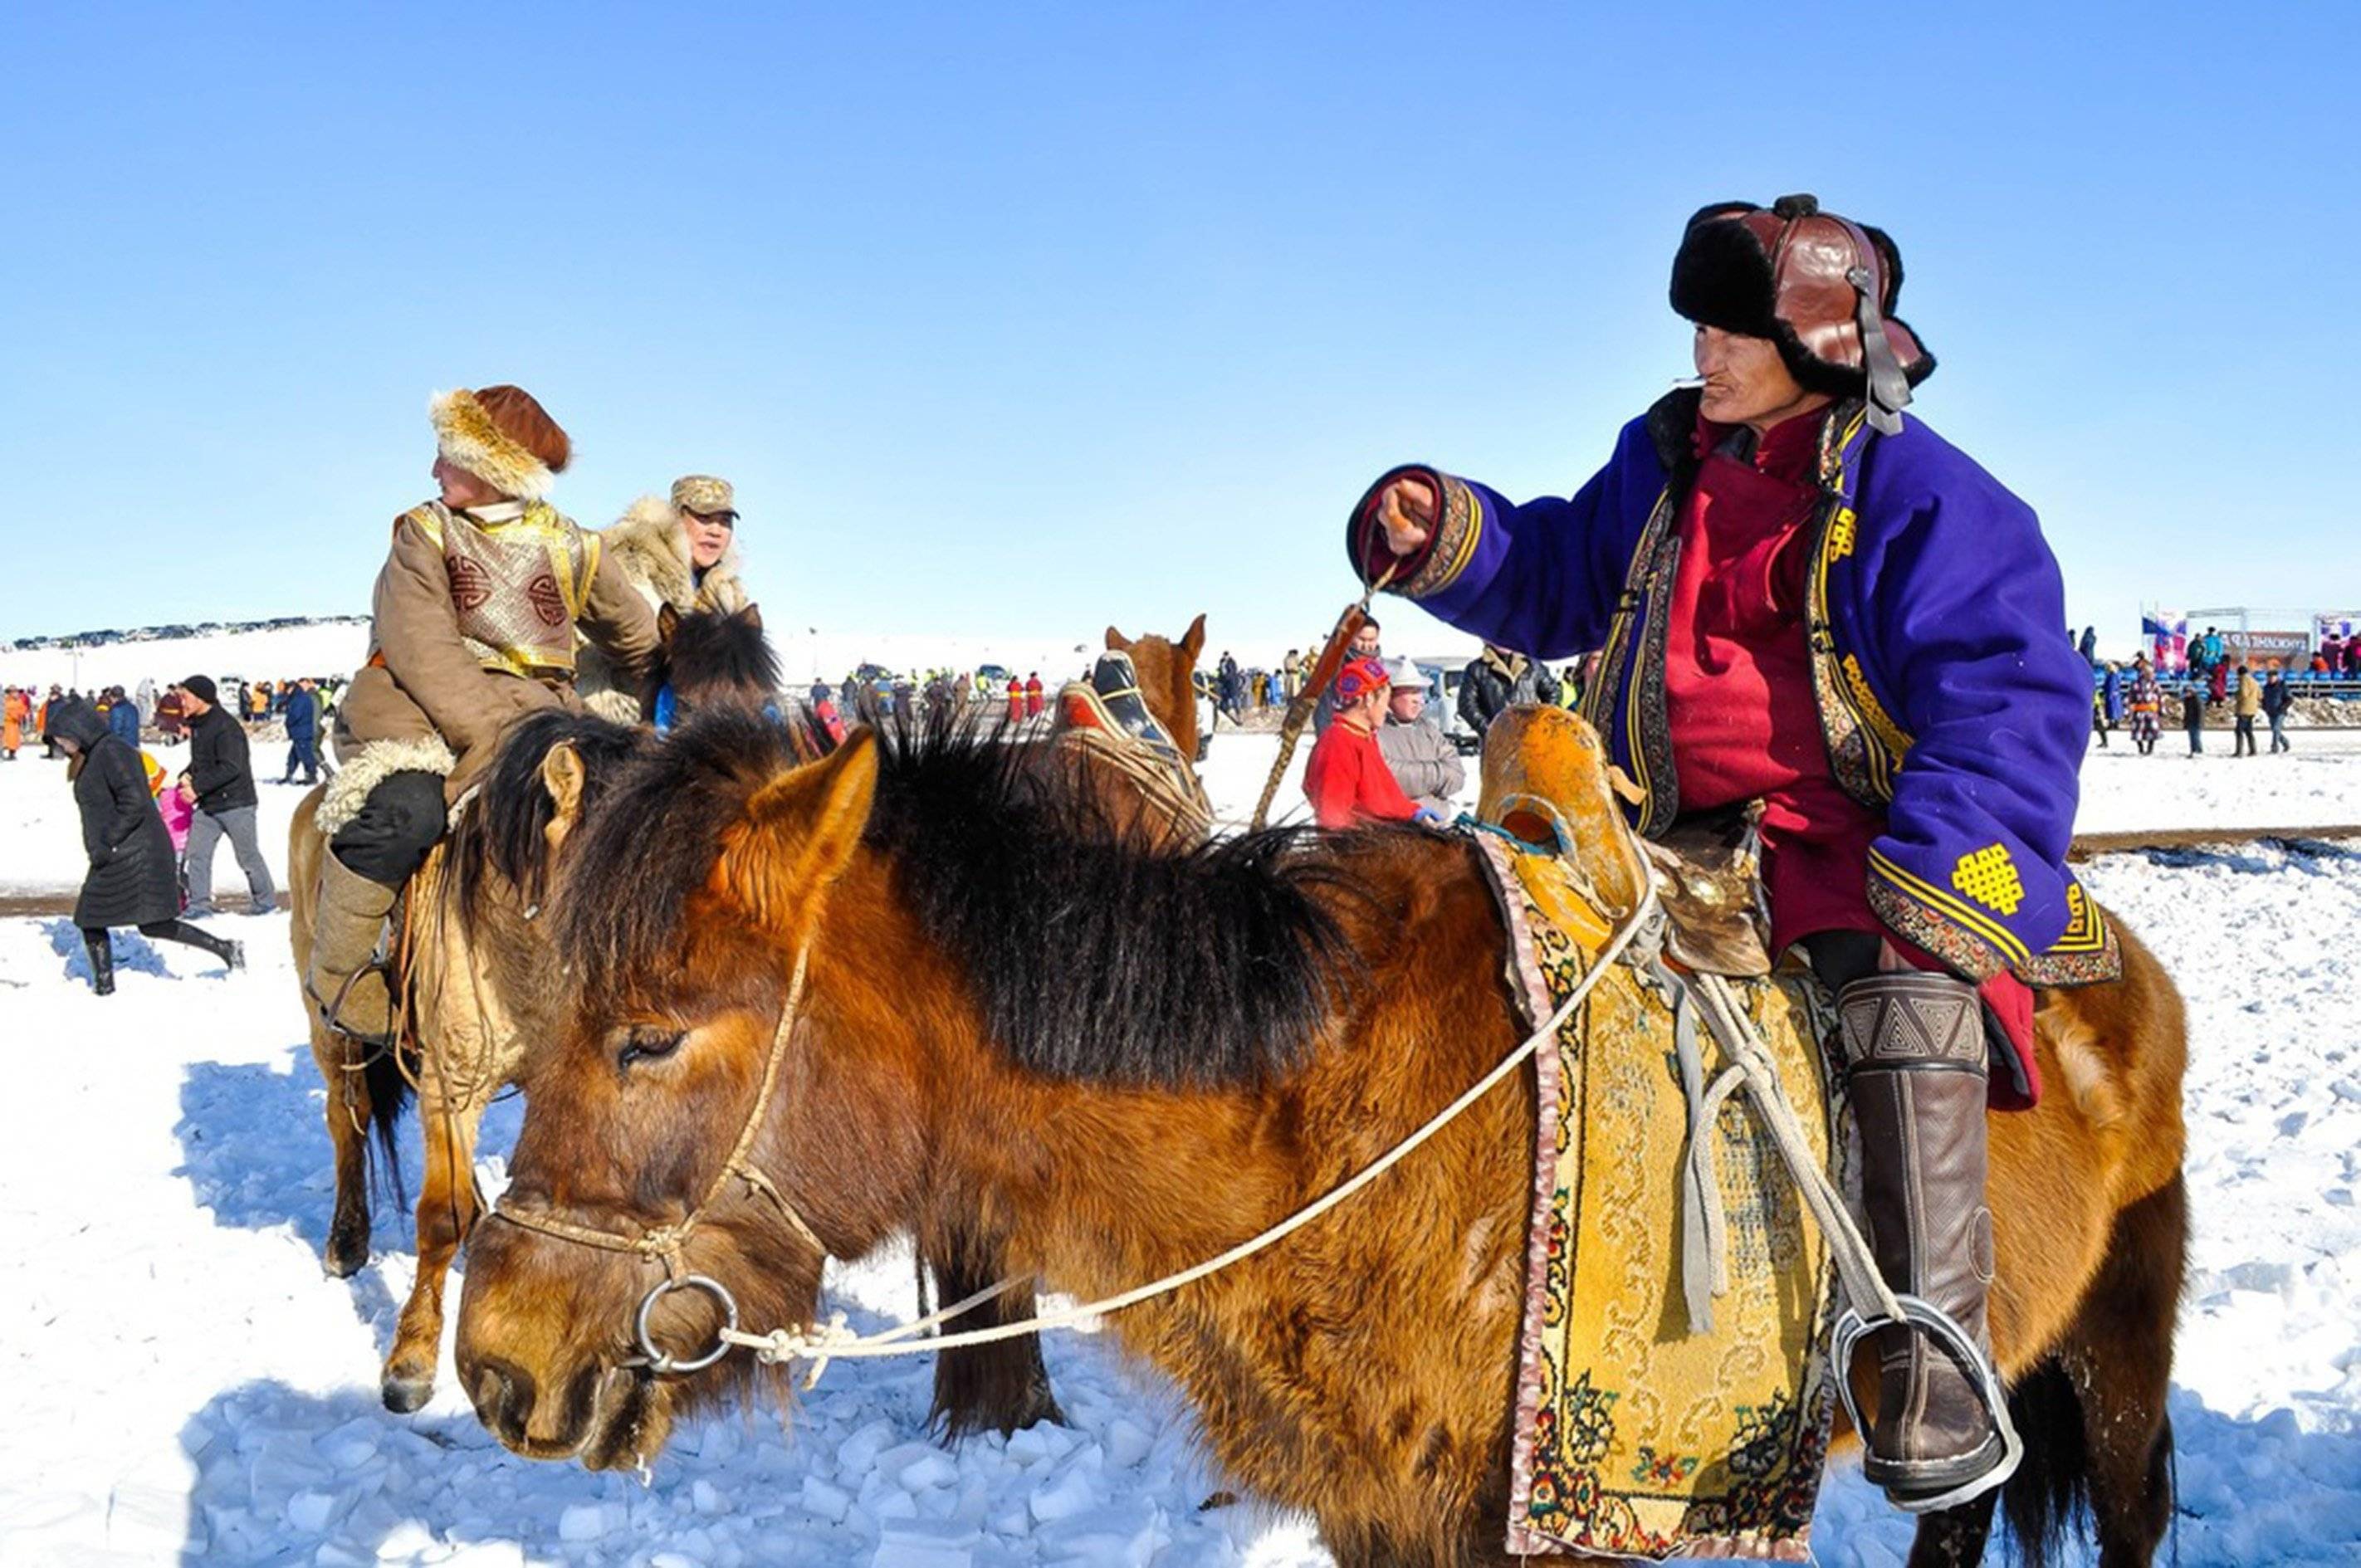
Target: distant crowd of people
x,y
2137,701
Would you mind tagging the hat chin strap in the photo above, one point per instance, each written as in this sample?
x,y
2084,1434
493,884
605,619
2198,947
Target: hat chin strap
x,y
1889,389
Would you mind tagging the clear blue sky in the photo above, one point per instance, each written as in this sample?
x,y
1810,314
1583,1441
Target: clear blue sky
x,y
1009,317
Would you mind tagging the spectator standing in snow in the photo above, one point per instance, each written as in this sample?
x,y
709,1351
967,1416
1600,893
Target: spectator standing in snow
x,y
14,711
2147,707
122,717
2192,718
303,715
1423,761
223,774
1291,674
2217,681
2111,694
2249,708
1033,699
130,880
2278,696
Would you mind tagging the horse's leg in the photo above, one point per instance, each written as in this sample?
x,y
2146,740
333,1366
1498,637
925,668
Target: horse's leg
x,y
1002,1387
350,1107
1955,1537
348,1113
446,1213
2118,1354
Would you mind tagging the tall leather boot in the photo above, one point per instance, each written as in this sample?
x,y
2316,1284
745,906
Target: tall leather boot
x,y
101,961
345,932
1916,1043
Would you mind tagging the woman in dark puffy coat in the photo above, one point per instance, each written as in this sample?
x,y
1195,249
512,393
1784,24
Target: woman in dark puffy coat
x,y
132,879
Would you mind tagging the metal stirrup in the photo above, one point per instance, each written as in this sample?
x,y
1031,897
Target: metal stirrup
x,y
1917,1312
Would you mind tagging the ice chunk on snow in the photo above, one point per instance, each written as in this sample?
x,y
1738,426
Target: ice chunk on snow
x,y
582,1521
825,1499
1067,1495
925,1544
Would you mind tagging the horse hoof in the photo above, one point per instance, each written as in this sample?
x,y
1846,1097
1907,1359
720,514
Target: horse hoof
x,y
406,1394
346,1259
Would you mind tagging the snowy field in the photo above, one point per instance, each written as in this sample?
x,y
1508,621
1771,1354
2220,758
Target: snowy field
x,y
186,1387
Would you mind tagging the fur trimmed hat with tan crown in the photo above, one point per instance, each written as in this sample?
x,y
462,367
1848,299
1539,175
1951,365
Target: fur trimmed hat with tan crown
x,y
503,436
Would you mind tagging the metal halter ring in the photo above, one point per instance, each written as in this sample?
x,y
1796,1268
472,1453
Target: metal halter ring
x,y
661,1362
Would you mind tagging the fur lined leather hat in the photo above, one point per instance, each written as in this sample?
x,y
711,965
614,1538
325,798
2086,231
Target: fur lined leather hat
x,y
503,436
1817,285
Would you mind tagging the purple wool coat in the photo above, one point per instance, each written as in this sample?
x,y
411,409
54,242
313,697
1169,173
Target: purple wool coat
x,y
1949,699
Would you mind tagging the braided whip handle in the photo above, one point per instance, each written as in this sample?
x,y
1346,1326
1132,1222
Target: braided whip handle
x,y
1298,712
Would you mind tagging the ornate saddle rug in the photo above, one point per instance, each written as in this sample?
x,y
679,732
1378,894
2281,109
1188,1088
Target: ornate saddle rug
x,y
1646,1427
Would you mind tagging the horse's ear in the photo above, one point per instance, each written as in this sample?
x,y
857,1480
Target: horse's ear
x,y
798,836
561,775
1193,643
667,622
1116,642
754,613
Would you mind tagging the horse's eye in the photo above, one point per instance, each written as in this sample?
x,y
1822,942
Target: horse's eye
x,y
648,1044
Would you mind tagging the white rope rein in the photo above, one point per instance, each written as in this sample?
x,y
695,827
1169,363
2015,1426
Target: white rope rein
x,y
821,1343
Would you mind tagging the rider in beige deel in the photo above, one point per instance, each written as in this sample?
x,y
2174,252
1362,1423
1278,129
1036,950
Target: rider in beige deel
x,y
473,625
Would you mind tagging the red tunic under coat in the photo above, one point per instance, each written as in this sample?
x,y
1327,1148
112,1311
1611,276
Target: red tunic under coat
x,y
1745,722
1348,783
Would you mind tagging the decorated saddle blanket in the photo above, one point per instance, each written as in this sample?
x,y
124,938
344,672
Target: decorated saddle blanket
x,y
1644,1428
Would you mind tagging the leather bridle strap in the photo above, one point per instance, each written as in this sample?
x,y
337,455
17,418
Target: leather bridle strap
x,y
664,1244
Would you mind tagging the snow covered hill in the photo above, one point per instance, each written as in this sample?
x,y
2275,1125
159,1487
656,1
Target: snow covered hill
x,y
187,1388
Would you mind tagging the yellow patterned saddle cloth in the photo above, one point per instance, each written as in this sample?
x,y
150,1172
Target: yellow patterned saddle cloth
x,y
1649,1426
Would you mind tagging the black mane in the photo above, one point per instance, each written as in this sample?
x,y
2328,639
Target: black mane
x,y
709,650
504,829
1094,955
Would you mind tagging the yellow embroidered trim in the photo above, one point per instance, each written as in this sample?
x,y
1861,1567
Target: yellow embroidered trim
x,y
1872,713
429,522
1841,533
1467,497
1943,903
2086,928
1989,876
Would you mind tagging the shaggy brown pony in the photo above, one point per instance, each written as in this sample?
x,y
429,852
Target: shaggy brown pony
x,y
475,961
479,998
1123,1061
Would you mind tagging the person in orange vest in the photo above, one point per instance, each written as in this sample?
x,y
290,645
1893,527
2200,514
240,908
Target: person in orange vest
x,y
1033,694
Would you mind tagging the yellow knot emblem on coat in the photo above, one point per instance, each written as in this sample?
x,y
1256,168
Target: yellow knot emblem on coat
x,y
1989,876
1841,534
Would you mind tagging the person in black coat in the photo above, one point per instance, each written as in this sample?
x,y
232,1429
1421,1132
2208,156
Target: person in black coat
x,y
1501,678
224,777
132,881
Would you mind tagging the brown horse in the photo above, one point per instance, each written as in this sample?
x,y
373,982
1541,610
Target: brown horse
x,y
478,963
1122,1060
473,971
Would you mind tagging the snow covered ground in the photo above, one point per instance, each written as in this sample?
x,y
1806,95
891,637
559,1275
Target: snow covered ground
x,y
186,1387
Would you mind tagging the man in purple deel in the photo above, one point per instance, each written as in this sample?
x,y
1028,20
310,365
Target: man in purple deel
x,y
1802,599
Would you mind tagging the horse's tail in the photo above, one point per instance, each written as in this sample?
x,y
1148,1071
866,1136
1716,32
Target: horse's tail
x,y
389,1095
2051,1489
2098,1444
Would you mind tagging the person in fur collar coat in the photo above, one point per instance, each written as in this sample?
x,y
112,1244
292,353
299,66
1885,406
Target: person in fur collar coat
x,y
680,552
474,622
